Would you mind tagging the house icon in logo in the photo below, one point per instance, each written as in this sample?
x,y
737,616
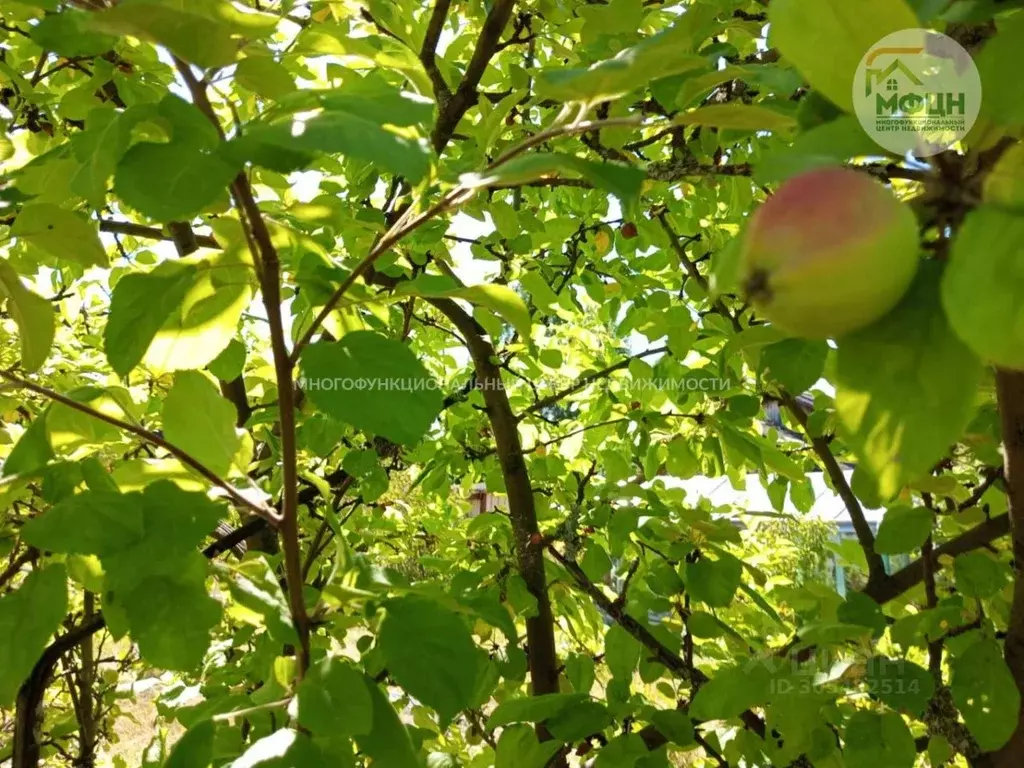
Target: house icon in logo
x,y
873,77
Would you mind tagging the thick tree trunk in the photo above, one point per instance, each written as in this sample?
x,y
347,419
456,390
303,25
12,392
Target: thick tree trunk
x,y
1010,390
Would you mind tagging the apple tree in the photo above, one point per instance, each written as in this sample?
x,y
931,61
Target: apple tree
x,y
291,291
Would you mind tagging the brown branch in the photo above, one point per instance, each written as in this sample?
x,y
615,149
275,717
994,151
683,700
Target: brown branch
x,y
692,271
540,633
15,566
87,736
1010,396
664,655
266,256
28,717
428,53
676,170
866,538
150,437
465,96
408,222
365,13
150,233
992,476
29,707
399,230
909,577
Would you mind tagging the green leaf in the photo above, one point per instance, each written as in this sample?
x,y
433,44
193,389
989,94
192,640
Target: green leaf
x,y
204,32
621,652
70,34
667,53
860,609
147,543
388,742
714,582
200,422
621,752
230,363
70,428
99,148
979,574
833,143
207,320
518,747
595,562
374,383
580,721
254,584
534,709
903,529
264,76
986,695
28,617
91,523
33,451
170,617
902,684
443,666
796,364
333,699
374,98
141,304
34,316
874,739
190,179
287,748
983,286
673,725
940,751
290,145
500,299
195,749
365,467
623,181
893,377
745,117
731,691
826,40
60,233
1004,184
997,62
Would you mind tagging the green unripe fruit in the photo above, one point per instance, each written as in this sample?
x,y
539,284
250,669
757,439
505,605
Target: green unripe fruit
x,y
830,252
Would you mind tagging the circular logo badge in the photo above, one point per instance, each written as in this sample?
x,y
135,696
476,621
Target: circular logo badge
x,y
917,91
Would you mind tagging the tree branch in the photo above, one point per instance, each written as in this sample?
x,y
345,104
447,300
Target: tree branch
x,y
910,576
665,656
866,538
149,437
15,566
540,631
587,380
428,53
29,707
150,233
266,256
452,110
1010,396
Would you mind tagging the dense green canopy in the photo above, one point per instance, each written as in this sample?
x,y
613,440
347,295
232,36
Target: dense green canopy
x,y
288,289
